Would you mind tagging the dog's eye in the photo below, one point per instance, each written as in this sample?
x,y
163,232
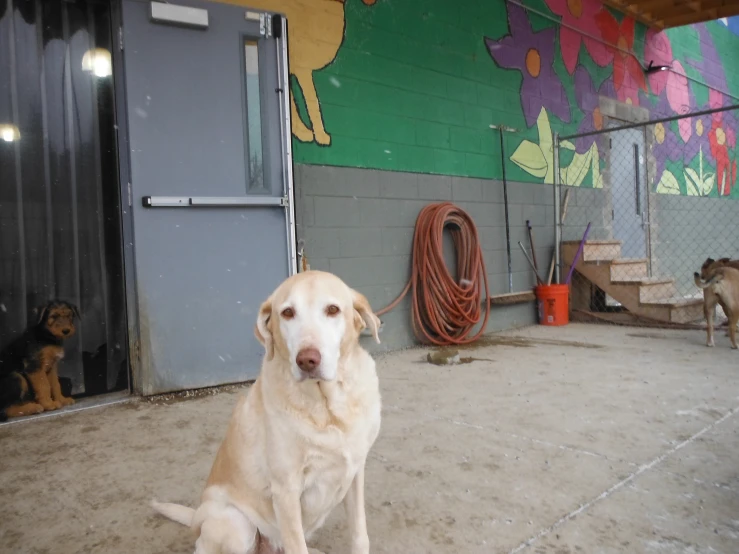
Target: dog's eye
x,y
288,313
332,309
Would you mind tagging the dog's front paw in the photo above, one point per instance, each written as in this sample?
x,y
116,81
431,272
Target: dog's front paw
x,y
734,347
31,409
65,401
710,343
50,405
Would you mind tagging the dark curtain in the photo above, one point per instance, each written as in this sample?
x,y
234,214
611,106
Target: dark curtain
x,y
60,225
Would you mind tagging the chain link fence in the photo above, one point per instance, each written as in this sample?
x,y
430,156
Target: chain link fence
x,y
657,199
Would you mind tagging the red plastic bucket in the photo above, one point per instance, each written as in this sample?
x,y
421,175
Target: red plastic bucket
x,y
554,304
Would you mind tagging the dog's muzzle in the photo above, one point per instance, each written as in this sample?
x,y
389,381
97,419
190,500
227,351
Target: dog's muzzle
x,y
309,362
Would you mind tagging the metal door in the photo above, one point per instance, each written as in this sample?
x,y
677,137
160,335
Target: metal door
x,y
630,213
211,185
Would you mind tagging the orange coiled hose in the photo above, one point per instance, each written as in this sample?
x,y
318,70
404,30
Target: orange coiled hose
x,y
445,311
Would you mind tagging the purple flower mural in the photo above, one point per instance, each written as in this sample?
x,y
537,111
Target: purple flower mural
x,y
532,54
588,101
669,146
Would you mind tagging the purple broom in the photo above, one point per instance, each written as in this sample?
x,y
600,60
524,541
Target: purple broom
x,y
577,256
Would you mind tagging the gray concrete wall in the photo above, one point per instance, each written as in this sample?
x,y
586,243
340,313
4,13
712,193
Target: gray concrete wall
x,y
585,206
359,224
688,229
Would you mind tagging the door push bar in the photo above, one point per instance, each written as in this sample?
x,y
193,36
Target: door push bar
x,y
213,201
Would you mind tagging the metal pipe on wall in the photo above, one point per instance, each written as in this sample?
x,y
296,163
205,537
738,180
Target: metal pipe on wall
x,y
501,129
507,221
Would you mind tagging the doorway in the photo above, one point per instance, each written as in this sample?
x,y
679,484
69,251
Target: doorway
x,y
60,209
628,189
210,185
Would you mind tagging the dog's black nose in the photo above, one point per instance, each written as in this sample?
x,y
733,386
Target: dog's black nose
x,y
308,359
65,331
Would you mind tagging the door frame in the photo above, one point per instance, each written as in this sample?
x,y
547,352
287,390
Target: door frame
x,y
280,32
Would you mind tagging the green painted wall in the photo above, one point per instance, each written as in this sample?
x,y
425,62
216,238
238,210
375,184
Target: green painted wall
x,y
414,88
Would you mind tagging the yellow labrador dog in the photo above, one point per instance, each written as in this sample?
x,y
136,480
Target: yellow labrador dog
x,y
297,443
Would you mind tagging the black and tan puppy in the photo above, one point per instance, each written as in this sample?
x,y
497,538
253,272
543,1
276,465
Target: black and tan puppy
x,y
29,377
720,285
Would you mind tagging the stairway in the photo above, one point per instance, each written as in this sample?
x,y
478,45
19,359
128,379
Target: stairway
x,y
626,280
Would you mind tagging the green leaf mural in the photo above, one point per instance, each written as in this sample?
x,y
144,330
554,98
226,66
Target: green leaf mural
x,y
537,159
575,173
668,184
699,183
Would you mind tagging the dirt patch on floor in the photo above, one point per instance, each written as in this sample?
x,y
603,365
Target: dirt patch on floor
x,y
524,342
174,397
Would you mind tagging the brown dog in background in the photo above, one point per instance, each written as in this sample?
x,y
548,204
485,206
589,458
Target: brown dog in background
x,y
720,283
29,376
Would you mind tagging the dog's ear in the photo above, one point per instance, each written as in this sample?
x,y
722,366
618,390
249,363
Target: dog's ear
x,y
725,260
42,313
75,310
364,316
709,261
262,330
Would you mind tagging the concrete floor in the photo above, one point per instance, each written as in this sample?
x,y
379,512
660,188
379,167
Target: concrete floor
x,y
620,440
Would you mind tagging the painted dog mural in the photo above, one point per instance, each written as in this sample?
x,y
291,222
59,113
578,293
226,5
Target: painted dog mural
x,y
316,31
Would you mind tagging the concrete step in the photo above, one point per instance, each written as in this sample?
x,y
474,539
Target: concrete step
x,y
624,269
650,288
682,310
598,250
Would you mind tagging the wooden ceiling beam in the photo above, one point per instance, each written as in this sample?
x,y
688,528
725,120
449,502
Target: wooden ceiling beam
x,y
687,9
649,5
662,14
624,8
708,15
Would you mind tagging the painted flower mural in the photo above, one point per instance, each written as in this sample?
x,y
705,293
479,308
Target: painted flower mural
x,y
678,95
578,27
537,158
588,101
531,53
721,138
694,155
667,145
657,51
628,75
709,67
723,128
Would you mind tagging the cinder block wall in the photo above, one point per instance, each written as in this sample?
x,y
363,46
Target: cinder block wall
x,y
587,206
359,224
